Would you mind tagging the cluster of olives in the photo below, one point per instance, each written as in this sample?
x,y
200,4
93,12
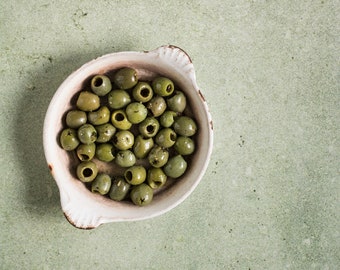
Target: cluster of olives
x,y
131,123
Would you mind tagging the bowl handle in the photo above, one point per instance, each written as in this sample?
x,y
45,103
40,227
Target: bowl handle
x,y
78,209
178,58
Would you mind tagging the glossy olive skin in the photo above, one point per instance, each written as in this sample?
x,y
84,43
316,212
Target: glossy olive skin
x,y
105,152
142,92
163,86
123,140
76,118
158,156
102,132
100,116
149,127
135,175
167,118
142,146
119,120
86,152
141,195
69,139
101,85
184,145
87,134
175,167
156,178
166,137
157,105
88,101
86,171
105,132
125,158
119,189
136,112
101,184
178,102
185,126
118,99
125,78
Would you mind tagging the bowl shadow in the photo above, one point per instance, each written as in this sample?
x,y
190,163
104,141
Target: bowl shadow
x,y
41,194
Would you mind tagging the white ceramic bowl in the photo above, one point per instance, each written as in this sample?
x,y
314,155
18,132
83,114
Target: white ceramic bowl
x,y
84,209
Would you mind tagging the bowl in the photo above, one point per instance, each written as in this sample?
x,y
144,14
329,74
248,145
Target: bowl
x,y
87,210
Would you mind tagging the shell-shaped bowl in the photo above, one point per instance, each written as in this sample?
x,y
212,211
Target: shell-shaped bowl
x,y
86,210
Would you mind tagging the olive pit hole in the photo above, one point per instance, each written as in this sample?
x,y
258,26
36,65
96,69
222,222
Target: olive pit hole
x,y
119,117
145,92
150,129
98,82
155,161
128,175
169,88
87,172
84,157
172,137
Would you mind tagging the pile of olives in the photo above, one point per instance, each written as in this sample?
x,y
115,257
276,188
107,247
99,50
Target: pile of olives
x,y
138,125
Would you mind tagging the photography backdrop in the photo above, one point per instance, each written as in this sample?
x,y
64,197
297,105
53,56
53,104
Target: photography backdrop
x,y
269,71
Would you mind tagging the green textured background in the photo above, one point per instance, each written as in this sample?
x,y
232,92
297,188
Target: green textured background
x,y
270,73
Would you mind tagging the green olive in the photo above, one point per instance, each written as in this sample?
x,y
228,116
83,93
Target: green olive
x,y
166,137
178,102
149,127
185,126
123,140
135,175
157,106
119,189
101,184
175,167
105,132
156,178
101,85
184,145
87,171
100,116
125,158
125,78
87,134
69,139
158,156
76,118
85,152
141,195
142,92
105,152
103,125
142,146
163,86
118,99
167,118
87,101
136,112
119,120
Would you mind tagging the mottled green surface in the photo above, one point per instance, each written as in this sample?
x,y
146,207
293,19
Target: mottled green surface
x,y
270,73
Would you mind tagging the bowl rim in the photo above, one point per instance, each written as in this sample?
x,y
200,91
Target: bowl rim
x,y
174,57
